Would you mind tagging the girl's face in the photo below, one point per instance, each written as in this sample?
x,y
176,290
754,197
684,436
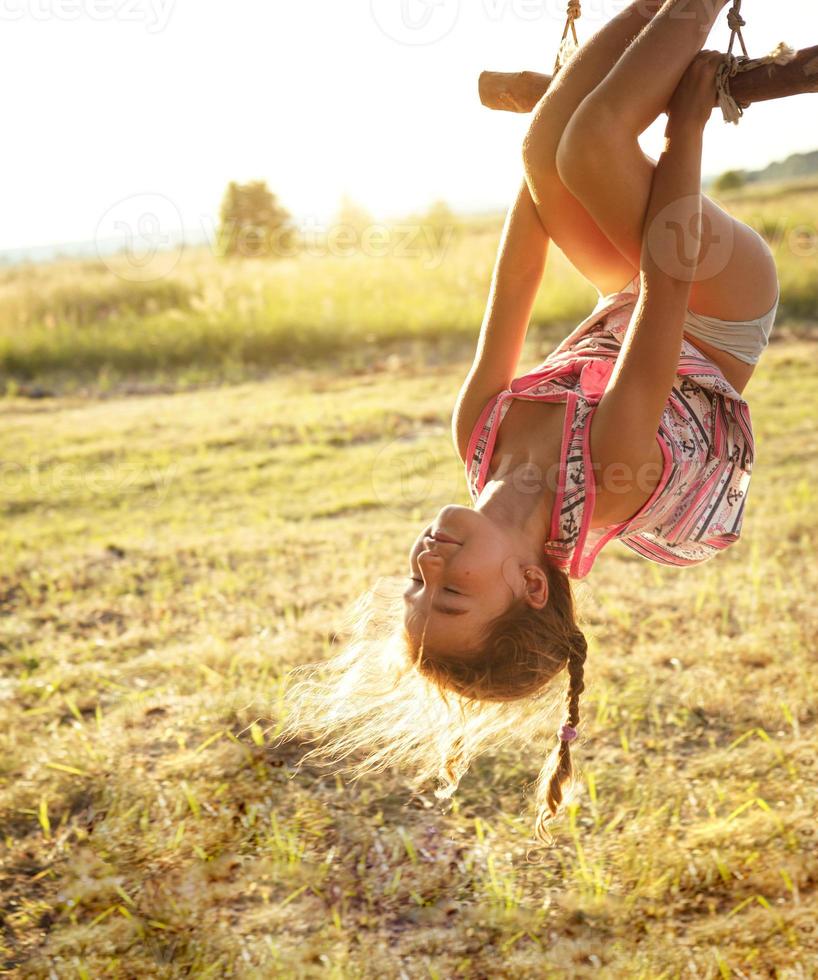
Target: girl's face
x,y
464,571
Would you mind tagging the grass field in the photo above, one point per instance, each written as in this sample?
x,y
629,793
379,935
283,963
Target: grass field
x,y
166,557
169,556
128,325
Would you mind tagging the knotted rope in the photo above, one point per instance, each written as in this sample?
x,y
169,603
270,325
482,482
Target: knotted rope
x,y
568,45
732,111
781,54
735,22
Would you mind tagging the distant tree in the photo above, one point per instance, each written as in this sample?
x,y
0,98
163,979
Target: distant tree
x,y
439,215
252,222
441,224
438,221
730,180
353,215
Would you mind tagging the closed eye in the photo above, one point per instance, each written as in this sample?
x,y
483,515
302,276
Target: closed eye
x,y
453,591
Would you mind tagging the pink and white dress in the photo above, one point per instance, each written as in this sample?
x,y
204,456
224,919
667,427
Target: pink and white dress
x,y
705,435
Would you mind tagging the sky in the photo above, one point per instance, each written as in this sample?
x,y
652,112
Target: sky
x,y
121,111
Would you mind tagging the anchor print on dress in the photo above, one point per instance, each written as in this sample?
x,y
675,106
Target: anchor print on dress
x,y
570,527
582,412
575,474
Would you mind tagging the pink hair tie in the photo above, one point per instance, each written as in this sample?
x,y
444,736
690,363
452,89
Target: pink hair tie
x,y
567,733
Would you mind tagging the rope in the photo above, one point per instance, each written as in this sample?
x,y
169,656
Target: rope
x,y
568,45
781,54
732,111
735,22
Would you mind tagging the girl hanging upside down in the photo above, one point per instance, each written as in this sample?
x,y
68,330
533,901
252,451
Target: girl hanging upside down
x,y
633,428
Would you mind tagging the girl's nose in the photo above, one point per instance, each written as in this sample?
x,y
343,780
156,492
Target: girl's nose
x,y
430,564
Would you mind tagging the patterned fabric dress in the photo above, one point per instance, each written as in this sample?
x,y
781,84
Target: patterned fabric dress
x,y
705,435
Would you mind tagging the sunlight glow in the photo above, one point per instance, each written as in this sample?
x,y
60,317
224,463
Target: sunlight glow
x,y
376,99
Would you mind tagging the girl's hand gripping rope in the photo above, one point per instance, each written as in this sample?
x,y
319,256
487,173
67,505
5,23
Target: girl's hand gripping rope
x,y
695,96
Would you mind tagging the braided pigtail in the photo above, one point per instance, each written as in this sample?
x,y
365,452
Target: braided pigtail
x,y
557,773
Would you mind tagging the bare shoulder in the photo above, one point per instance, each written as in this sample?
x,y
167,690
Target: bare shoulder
x,y
475,393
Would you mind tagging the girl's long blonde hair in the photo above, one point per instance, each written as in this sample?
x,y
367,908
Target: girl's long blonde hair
x,y
382,701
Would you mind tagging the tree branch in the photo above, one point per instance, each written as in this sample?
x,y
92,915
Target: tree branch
x,y
520,91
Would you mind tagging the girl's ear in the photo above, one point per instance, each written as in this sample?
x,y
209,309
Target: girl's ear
x,y
536,586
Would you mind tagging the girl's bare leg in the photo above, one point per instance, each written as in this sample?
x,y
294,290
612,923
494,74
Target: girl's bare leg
x,y
564,217
599,160
645,77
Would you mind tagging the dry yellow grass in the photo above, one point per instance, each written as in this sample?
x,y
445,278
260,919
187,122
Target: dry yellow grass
x,y
164,560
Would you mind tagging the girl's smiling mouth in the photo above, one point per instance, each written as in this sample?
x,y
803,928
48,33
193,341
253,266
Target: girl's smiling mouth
x,y
444,538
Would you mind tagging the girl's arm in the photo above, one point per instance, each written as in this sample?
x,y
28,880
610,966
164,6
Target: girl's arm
x,y
628,415
517,275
